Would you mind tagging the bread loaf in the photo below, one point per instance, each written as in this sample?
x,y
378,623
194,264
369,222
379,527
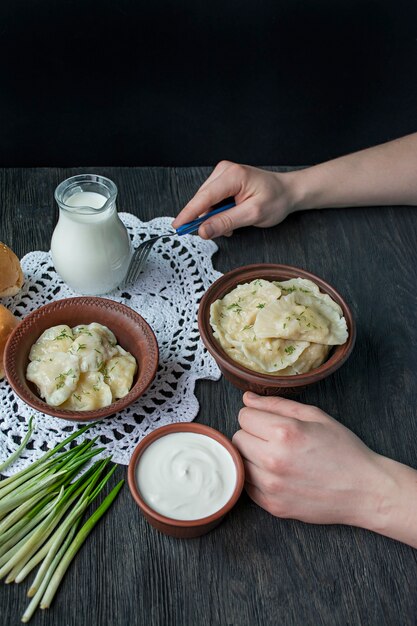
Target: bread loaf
x,y
7,322
11,275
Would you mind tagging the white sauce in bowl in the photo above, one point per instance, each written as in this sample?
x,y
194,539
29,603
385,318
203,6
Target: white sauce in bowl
x,y
186,476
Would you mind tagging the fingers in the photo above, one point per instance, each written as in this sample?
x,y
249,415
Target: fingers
x,y
262,424
220,184
285,407
218,171
257,496
250,447
265,481
218,225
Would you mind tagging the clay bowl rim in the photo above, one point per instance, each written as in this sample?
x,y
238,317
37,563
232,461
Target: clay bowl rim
x,y
34,401
271,271
200,429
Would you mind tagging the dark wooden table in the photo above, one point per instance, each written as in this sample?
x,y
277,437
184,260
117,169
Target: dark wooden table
x,y
256,569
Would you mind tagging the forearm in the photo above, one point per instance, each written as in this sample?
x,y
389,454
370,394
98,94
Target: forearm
x,y
394,510
383,175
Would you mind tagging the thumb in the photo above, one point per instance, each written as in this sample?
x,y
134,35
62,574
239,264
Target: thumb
x,y
224,223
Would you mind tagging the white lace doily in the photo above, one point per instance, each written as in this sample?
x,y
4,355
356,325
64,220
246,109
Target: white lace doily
x,y
178,272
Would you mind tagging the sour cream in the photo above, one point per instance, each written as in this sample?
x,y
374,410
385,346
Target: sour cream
x,y
186,476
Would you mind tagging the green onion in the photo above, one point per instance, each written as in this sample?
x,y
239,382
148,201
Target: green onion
x,y
76,545
41,510
22,446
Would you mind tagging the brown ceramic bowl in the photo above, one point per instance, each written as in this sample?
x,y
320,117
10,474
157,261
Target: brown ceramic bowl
x,y
180,528
132,333
266,384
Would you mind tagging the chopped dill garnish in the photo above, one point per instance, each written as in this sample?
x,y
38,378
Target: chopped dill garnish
x,y
82,346
62,335
289,349
247,327
77,397
261,305
287,289
83,330
61,378
235,307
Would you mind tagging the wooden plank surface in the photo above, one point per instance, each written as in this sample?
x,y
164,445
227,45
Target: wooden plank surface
x,y
255,569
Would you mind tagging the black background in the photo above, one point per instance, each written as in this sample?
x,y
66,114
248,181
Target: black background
x,y
121,82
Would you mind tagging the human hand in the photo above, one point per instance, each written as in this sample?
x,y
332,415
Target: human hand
x,y
262,199
302,464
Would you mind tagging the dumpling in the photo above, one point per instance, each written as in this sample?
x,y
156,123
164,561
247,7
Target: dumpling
x,y
119,373
55,339
313,356
93,348
302,316
98,328
273,355
297,284
92,392
55,376
236,312
300,286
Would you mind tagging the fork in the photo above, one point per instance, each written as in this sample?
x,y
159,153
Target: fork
x,y
140,255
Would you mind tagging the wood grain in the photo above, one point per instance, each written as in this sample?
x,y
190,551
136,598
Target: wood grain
x,y
256,569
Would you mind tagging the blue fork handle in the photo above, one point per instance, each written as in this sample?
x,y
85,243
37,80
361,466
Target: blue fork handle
x,y
191,227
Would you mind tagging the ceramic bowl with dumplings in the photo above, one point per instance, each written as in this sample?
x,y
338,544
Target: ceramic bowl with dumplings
x,y
131,331
248,379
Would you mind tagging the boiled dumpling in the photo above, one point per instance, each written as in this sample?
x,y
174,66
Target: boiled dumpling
x,y
273,355
313,321
93,348
313,356
92,393
98,328
237,311
297,284
119,373
300,286
56,376
55,339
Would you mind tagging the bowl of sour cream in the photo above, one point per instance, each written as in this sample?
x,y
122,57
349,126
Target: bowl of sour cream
x,y
185,478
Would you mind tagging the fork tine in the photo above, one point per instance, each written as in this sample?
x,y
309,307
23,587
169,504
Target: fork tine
x,y
140,257
138,260
134,264
141,262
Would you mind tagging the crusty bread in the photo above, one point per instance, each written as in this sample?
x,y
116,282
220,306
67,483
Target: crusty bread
x,y
7,322
11,275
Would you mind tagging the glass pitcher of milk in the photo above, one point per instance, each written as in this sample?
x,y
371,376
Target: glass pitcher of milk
x,y
90,245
